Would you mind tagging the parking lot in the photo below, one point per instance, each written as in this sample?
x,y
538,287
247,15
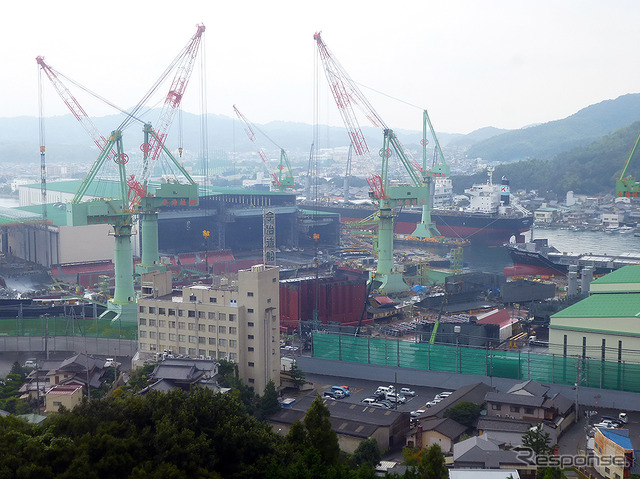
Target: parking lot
x,y
362,388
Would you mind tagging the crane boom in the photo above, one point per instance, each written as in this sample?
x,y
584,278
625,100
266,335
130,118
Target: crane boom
x,y
347,94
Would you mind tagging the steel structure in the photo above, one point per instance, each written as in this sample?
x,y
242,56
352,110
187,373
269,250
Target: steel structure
x,y
134,198
628,186
279,182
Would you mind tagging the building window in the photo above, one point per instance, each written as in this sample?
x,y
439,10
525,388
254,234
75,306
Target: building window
x,y
141,309
529,410
222,342
222,329
192,297
143,321
222,316
182,338
211,315
172,336
143,346
192,326
268,300
152,322
152,310
192,351
201,314
233,330
250,336
212,340
250,294
249,310
250,348
251,380
142,333
232,317
233,303
233,343
202,340
172,312
152,335
162,323
192,339
180,312
251,364
212,354
496,407
201,352
191,314
233,357
58,403
152,347
162,336
514,408
181,325
172,324
250,324
212,328
213,300
202,327
162,311
182,350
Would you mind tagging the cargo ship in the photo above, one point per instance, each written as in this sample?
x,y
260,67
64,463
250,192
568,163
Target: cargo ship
x,y
491,218
537,257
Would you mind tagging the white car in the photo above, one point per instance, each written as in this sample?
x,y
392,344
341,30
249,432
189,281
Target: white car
x,y
393,397
407,392
369,400
417,413
606,424
432,403
444,395
623,417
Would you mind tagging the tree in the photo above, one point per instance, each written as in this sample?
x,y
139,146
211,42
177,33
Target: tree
x,y
321,436
268,404
297,376
465,413
537,440
367,452
426,464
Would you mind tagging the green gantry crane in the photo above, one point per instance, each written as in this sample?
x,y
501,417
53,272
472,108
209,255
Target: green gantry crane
x,y
134,198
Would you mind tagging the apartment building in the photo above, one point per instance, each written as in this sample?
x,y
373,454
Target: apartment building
x,y
234,319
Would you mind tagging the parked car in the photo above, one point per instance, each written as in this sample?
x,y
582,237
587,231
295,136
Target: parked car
x,y
613,420
369,400
393,397
329,394
623,417
380,404
605,424
343,389
385,389
432,403
407,392
417,413
444,395
30,363
385,403
379,396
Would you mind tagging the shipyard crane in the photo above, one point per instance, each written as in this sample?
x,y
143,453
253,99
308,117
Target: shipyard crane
x,y
347,96
279,181
628,186
347,176
134,197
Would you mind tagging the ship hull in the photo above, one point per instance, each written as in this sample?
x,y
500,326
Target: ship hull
x,y
532,263
478,228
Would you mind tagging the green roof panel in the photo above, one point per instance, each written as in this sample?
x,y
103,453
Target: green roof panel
x,y
614,305
626,274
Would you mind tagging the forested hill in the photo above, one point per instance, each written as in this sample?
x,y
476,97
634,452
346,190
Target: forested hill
x,y
590,169
549,139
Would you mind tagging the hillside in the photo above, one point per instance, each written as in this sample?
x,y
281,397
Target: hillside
x,y
549,139
590,169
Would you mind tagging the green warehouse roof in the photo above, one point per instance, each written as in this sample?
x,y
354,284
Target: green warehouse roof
x,y
627,274
614,305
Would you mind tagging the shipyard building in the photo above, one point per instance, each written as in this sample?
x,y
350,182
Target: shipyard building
x,y
237,319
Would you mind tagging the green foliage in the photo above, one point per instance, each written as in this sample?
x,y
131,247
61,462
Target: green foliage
x,y
537,440
465,413
425,463
139,378
367,452
321,436
268,404
297,376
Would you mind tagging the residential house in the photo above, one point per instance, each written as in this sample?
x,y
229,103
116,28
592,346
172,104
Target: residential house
x,y
614,451
444,432
183,373
481,452
67,395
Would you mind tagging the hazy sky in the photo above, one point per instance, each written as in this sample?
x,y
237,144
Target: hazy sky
x,y
471,63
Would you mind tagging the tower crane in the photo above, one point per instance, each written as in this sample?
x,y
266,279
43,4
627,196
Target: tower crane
x,y
628,186
279,181
133,198
347,96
